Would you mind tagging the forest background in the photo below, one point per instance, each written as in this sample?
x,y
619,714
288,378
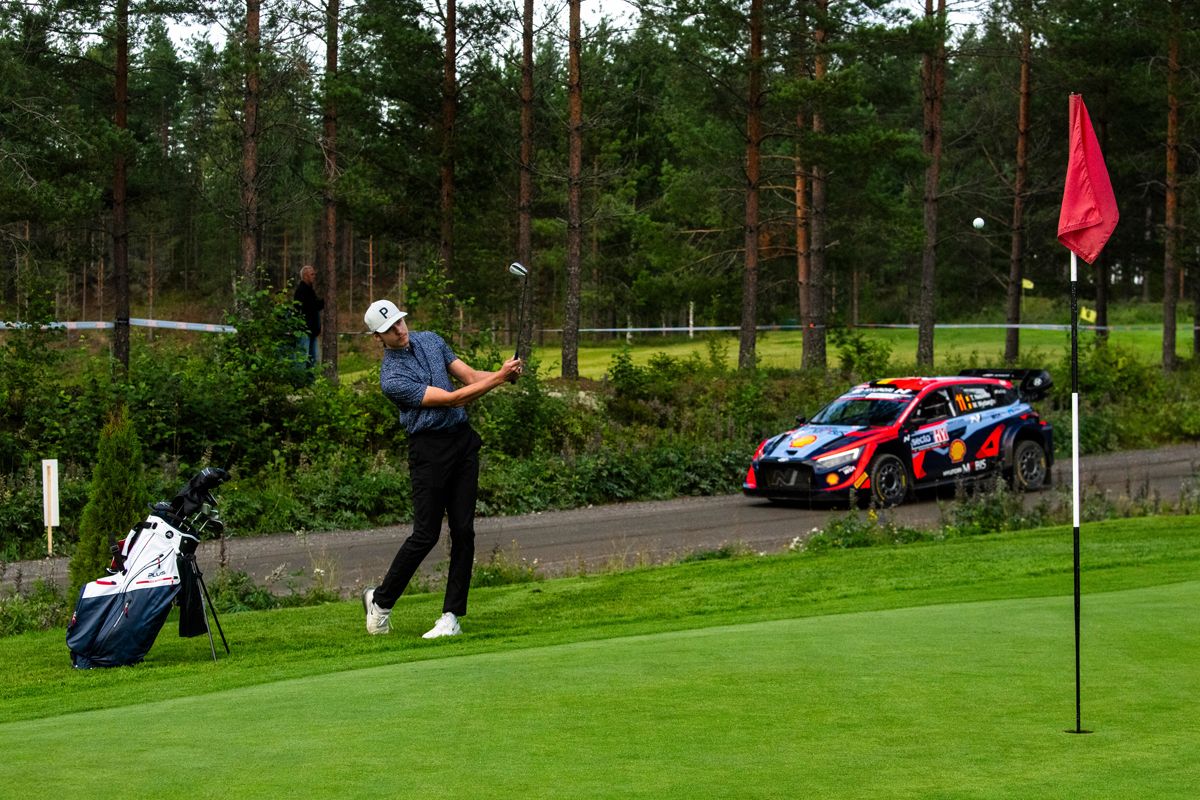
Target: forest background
x,y
814,164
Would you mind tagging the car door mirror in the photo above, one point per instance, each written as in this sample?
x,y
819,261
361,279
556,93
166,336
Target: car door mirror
x,y
801,419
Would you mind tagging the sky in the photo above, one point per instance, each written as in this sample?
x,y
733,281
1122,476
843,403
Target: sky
x,y
591,12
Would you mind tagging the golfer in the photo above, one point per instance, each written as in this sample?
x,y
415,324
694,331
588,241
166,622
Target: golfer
x,y
443,458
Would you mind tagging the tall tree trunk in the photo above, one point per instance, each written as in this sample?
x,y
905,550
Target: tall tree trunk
x,y
813,354
570,340
1171,245
803,260
348,260
120,221
1016,255
329,315
249,177
933,81
150,281
525,187
800,186
749,330
449,100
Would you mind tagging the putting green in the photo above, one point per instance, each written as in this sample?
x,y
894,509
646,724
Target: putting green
x,y
966,700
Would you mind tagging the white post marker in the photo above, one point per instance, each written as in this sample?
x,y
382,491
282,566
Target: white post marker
x,y
1074,391
50,500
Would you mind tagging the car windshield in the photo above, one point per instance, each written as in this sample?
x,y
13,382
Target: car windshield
x,y
862,411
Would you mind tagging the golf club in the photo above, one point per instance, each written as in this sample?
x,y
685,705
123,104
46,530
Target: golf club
x,y
518,269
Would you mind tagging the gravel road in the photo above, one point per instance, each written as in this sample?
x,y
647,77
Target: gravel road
x,y
628,533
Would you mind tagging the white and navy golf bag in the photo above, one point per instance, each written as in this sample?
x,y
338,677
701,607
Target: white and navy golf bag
x,y
117,617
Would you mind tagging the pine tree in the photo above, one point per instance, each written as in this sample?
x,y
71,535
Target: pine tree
x,y
116,500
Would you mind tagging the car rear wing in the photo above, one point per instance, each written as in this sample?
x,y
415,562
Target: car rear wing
x,y
1032,384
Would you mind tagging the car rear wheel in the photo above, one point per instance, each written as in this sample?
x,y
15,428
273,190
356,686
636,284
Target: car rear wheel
x,y
889,480
1029,466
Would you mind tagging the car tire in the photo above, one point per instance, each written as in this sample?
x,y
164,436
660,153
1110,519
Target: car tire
x,y
890,483
1029,466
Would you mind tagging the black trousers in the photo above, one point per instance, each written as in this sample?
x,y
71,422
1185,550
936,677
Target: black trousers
x,y
444,468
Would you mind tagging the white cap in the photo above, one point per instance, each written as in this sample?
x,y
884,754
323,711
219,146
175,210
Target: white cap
x,y
382,315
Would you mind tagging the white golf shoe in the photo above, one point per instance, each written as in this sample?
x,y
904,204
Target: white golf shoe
x,y
447,625
377,618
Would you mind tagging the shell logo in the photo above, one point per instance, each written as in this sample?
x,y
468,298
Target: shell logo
x,y
958,449
803,441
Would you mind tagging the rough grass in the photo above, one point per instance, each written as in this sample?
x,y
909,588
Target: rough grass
x,y
933,670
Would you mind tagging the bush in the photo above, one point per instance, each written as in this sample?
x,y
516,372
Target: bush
x,y
859,530
860,357
990,508
116,501
504,568
232,591
22,534
45,607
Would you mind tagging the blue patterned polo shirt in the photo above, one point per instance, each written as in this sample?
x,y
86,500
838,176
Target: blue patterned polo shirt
x,y
406,374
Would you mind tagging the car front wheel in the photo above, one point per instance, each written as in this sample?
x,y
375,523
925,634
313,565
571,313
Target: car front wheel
x,y
1029,466
889,480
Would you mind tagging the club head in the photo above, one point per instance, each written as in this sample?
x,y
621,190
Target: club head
x,y
518,269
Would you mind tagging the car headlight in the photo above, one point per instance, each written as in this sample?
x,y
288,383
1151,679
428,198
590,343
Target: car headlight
x,y
835,460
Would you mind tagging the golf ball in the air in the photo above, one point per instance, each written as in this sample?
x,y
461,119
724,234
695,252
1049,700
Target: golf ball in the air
x,y
978,223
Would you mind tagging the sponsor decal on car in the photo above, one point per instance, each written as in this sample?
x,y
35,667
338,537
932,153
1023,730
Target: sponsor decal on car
x,y
991,446
958,449
932,437
803,441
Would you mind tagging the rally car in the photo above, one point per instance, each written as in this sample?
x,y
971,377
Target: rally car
x,y
882,440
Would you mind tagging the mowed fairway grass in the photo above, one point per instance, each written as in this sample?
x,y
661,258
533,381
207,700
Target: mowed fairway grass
x,y
938,670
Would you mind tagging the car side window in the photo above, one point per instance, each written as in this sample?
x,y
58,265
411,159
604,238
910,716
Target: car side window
x,y
934,407
970,398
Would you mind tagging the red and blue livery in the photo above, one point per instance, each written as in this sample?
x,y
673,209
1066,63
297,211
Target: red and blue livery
x,y
884,439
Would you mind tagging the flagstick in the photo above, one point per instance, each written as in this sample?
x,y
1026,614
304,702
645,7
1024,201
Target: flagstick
x,y
1075,469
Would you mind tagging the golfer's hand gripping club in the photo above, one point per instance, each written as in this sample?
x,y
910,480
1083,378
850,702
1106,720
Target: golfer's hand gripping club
x,y
513,369
518,269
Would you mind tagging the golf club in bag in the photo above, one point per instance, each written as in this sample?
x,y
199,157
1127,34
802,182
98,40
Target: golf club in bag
x,y
117,617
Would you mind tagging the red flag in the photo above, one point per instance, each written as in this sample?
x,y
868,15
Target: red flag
x,y
1089,209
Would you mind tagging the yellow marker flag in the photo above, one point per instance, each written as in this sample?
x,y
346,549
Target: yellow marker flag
x,y
1026,283
1087,314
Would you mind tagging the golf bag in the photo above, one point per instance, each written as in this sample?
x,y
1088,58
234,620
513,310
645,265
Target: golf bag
x,y
117,617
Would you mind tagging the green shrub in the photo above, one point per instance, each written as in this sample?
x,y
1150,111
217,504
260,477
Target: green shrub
x,y
859,356
505,567
340,491
43,608
990,508
22,532
861,530
232,591
116,501
722,553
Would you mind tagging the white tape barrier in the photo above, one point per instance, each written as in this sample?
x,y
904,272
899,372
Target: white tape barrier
x,y
203,327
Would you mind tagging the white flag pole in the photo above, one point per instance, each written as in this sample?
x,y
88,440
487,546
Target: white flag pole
x,y
1075,468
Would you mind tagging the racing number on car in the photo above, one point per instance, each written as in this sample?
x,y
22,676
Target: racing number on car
x,y
982,435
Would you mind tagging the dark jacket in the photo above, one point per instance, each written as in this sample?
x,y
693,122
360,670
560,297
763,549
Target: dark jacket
x,y
310,307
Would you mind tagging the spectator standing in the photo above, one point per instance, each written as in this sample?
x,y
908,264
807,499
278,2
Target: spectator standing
x,y
310,306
